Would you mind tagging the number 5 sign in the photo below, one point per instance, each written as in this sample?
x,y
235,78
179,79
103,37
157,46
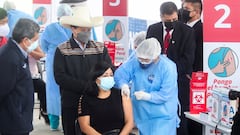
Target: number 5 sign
x,y
221,20
115,8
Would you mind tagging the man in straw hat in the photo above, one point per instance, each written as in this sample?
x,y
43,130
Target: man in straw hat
x,y
73,60
77,3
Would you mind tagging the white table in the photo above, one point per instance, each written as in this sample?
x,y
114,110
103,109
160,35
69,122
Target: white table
x,y
205,123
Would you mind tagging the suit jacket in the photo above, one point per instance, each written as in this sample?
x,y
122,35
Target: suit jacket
x,y
16,91
182,45
198,62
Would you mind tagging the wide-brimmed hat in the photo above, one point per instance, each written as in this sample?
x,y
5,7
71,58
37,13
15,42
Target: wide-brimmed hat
x,y
81,17
72,1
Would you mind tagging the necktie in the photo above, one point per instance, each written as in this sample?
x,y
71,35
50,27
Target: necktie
x,y
166,41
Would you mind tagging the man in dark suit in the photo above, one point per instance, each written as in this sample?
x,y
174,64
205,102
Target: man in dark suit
x,y
180,48
16,86
236,122
180,10
192,10
191,14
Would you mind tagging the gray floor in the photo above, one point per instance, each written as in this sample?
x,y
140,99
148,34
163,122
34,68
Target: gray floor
x,y
40,128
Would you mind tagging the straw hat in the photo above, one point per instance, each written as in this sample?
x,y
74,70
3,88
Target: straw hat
x,y
81,17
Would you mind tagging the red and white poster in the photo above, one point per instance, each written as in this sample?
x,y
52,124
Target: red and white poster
x,y
222,43
221,32
115,27
115,8
42,12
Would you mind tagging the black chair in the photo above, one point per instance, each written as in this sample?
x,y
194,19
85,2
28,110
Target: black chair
x,y
115,132
77,128
111,132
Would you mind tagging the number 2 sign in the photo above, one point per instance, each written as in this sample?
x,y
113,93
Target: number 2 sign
x,y
221,20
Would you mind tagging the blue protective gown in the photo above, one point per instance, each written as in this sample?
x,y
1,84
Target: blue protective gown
x,y
157,116
53,35
14,16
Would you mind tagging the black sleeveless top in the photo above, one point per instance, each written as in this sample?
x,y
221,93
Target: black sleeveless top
x,y
105,114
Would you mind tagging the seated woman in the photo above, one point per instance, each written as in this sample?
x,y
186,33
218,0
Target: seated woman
x,y
102,108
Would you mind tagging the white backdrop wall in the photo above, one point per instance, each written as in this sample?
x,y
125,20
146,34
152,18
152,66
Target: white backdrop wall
x,y
143,9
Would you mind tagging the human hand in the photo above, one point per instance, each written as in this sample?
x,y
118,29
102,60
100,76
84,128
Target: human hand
x,y
125,91
188,76
141,95
219,68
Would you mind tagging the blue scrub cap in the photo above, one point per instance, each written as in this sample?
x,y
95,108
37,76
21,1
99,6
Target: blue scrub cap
x,y
149,49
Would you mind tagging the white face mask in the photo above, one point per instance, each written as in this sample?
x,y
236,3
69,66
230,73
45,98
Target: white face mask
x,y
33,46
4,30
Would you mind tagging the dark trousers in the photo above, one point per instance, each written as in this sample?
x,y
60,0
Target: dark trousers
x,y
14,134
236,124
69,115
194,127
183,129
40,88
187,126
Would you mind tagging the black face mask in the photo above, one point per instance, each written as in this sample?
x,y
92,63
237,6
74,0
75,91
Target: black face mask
x,y
185,16
170,25
145,66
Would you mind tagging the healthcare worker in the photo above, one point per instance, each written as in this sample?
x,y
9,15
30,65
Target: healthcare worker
x,y
54,35
154,91
14,15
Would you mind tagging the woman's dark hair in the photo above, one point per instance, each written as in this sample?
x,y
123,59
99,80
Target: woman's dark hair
x,y
96,71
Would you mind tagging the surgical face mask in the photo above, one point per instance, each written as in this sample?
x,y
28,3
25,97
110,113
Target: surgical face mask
x,y
106,83
170,25
4,30
83,36
145,65
185,16
32,47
